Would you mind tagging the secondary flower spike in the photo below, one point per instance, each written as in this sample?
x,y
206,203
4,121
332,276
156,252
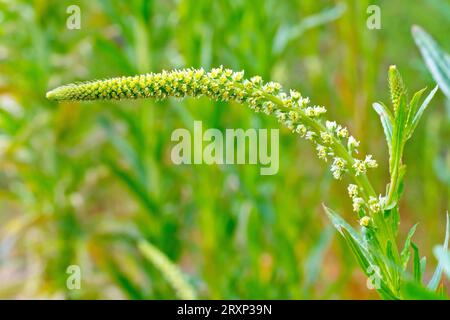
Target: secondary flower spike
x,y
332,141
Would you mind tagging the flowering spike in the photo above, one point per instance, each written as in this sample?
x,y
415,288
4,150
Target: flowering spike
x,y
396,86
223,84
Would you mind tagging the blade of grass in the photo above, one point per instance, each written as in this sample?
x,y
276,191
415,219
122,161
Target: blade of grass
x,y
434,282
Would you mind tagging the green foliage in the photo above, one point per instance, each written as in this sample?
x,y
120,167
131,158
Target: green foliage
x,y
434,282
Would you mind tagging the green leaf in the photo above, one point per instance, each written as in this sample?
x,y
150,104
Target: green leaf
x,y
434,282
361,255
364,261
417,269
405,254
389,252
386,119
340,224
395,219
437,60
413,106
420,112
423,265
359,250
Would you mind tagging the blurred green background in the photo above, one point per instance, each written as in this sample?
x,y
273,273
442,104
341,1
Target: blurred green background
x,y
80,182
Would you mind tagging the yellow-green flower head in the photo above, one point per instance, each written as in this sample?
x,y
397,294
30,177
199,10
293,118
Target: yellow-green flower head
x,y
396,86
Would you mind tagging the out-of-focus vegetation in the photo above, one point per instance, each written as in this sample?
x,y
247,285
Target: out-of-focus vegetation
x,y
93,184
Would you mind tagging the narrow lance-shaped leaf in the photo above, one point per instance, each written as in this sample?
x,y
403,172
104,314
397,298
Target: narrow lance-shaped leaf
x,y
405,254
359,249
417,269
340,224
413,106
420,112
386,119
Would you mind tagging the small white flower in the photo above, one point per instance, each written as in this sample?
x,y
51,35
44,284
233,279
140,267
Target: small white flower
x,y
295,95
360,167
342,132
319,110
357,204
289,124
338,168
301,129
352,190
321,152
238,76
370,162
331,125
303,102
256,80
310,112
281,116
352,143
268,107
294,116
310,135
326,137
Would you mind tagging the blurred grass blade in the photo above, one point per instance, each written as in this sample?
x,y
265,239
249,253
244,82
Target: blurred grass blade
x,y
287,34
443,256
125,149
123,281
139,191
316,256
437,60
434,282
423,265
169,270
